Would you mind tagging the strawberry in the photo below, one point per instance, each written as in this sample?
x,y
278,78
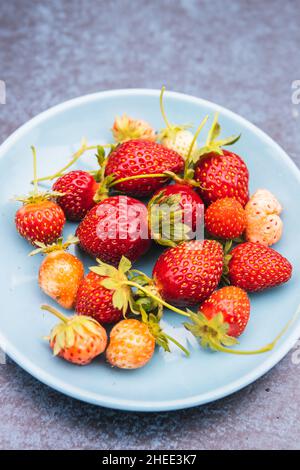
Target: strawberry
x,y
138,157
115,227
126,128
131,345
175,214
76,339
79,188
262,216
225,218
221,318
221,176
60,272
176,137
216,172
102,294
254,267
234,306
95,300
188,273
39,219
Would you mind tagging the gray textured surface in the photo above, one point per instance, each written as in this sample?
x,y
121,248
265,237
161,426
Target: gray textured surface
x,y
241,54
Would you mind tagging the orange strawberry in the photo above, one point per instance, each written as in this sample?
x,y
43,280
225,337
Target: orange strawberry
x,y
60,273
225,218
131,345
78,339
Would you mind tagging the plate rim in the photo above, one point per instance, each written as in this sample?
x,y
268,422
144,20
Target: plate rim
x,y
273,357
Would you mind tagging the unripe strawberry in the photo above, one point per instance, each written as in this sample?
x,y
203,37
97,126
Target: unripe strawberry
x,y
263,224
125,128
78,339
60,273
131,345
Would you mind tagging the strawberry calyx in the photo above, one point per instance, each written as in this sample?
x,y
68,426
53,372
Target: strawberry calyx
x,y
103,188
143,301
126,128
116,279
212,333
59,245
161,338
212,144
63,335
162,209
35,196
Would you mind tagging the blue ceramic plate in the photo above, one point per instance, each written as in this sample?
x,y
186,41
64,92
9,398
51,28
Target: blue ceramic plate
x,y
169,381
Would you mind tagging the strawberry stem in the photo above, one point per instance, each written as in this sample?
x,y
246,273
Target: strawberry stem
x,y
162,110
136,177
199,129
55,312
158,299
267,347
84,147
173,340
220,348
35,180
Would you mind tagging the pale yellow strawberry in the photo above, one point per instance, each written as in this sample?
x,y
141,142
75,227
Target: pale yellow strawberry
x,y
263,222
180,141
131,345
125,128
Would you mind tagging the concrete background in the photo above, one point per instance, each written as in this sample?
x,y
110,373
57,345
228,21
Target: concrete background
x,y
241,54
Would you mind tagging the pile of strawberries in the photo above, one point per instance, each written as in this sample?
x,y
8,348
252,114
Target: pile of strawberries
x,y
209,186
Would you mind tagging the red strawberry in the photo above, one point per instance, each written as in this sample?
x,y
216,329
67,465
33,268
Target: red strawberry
x,y
222,176
221,318
188,273
225,218
138,157
76,339
79,188
103,295
95,301
116,227
255,267
234,305
40,219
181,210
